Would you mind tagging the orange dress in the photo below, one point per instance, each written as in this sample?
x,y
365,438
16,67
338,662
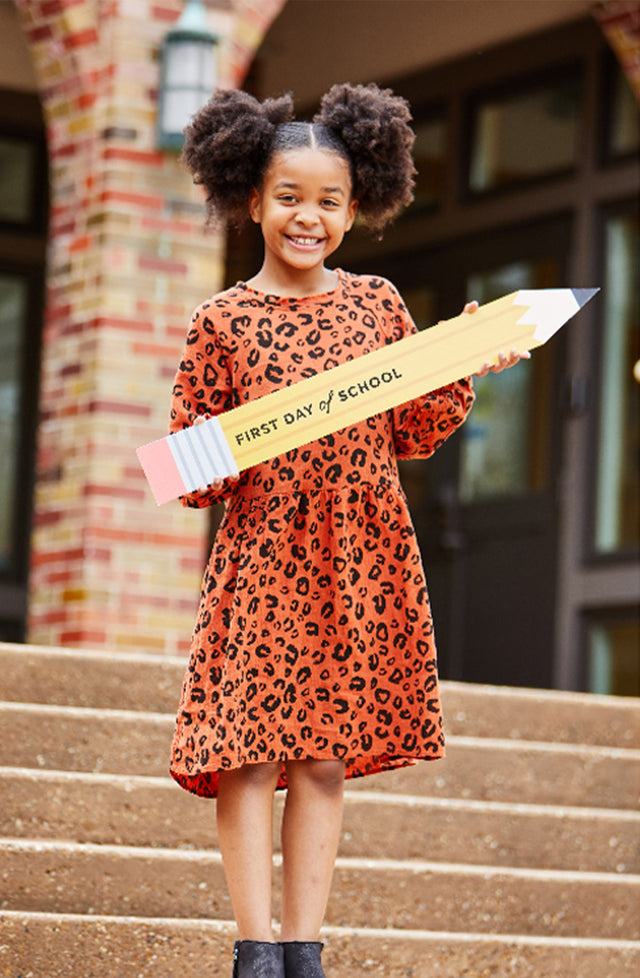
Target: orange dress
x,y
314,636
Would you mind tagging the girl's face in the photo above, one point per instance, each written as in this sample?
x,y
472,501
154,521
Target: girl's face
x,y
304,208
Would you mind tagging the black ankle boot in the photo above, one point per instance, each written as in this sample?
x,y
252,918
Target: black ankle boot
x,y
257,959
302,959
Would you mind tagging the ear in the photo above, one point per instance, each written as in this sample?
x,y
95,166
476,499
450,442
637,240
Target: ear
x,y
255,206
351,214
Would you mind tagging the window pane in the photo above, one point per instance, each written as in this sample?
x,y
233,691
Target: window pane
x,y
618,473
16,180
504,439
421,303
614,658
13,306
429,157
624,117
525,135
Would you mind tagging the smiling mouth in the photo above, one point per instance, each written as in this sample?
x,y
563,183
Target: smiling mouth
x,y
302,241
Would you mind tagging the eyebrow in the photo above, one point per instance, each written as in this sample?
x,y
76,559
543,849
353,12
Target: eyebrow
x,y
292,185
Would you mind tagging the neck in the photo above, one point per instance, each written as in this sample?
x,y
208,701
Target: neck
x,y
293,283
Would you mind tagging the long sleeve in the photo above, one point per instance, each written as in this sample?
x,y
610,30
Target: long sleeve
x,y
202,388
422,425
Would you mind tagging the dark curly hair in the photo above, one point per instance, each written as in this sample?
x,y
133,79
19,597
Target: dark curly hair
x,y
231,141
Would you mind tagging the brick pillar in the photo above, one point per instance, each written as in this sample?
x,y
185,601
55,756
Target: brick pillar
x,y
128,261
251,22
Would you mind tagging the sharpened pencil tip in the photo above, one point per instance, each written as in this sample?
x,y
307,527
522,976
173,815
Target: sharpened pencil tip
x,y
582,296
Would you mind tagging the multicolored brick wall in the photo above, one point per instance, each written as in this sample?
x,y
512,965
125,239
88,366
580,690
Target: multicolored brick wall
x,y
128,261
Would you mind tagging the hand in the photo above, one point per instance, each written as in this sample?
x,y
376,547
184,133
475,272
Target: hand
x,y
470,307
503,362
218,481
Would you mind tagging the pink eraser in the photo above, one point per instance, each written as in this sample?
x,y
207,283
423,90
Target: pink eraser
x,y
161,471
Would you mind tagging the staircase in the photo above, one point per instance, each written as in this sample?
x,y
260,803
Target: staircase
x,y
518,855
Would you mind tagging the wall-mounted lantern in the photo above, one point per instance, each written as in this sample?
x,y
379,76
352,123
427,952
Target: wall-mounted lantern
x,y
188,74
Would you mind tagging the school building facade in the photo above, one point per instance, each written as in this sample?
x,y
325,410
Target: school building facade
x,y
527,126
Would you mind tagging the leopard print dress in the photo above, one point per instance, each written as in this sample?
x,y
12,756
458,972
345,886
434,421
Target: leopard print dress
x,y
314,636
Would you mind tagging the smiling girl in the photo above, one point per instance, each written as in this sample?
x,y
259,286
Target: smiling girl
x,y
313,656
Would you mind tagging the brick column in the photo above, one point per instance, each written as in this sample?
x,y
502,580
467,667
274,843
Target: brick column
x,y
128,261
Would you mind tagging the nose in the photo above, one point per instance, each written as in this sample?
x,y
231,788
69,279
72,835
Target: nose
x,y
306,217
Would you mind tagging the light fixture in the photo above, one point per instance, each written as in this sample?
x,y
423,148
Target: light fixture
x,y
188,74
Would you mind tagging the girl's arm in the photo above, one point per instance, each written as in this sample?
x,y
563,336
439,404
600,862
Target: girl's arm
x,y
202,389
423,425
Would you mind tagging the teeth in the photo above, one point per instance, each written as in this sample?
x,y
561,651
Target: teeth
x,y
305,241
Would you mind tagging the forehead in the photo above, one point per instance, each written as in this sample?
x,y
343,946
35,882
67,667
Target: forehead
x,y
319,167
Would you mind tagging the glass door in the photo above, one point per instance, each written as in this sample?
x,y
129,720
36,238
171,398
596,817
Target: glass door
x,y
20,310
23,237
485,505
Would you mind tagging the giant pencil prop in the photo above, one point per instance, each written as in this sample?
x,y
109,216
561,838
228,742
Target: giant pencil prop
x,y
353,391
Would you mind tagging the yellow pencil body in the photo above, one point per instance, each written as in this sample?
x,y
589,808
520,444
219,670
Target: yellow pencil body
x,y
368,385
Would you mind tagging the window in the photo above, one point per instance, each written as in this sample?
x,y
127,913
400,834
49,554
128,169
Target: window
x,y
13,313
613,656
622,119
429,155
617,517
519,136
17,173
23,223
504,438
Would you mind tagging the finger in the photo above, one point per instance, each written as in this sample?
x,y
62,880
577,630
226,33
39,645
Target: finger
x,y
500,363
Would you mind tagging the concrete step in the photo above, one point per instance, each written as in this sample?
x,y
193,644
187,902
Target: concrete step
x,y
133,743
138,811
58,945
520,771
152,683
414,894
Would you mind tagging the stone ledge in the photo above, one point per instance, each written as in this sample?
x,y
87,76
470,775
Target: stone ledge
x,y
109,947
137,811
407,894
120,680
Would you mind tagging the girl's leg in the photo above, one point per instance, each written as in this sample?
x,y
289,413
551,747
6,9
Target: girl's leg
x,y
245,837
310,836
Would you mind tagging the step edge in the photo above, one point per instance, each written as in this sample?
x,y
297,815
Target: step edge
x,y
551,747
83,712
121,781
26,845
224,926
504,743
479,689
57,651
579,812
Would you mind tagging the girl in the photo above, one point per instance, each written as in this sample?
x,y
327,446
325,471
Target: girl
x,y
313,658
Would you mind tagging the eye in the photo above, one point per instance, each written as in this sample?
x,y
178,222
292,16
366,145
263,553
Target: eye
x,y
287,198
330,202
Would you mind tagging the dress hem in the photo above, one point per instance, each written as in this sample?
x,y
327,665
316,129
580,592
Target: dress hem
x,y
204,784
